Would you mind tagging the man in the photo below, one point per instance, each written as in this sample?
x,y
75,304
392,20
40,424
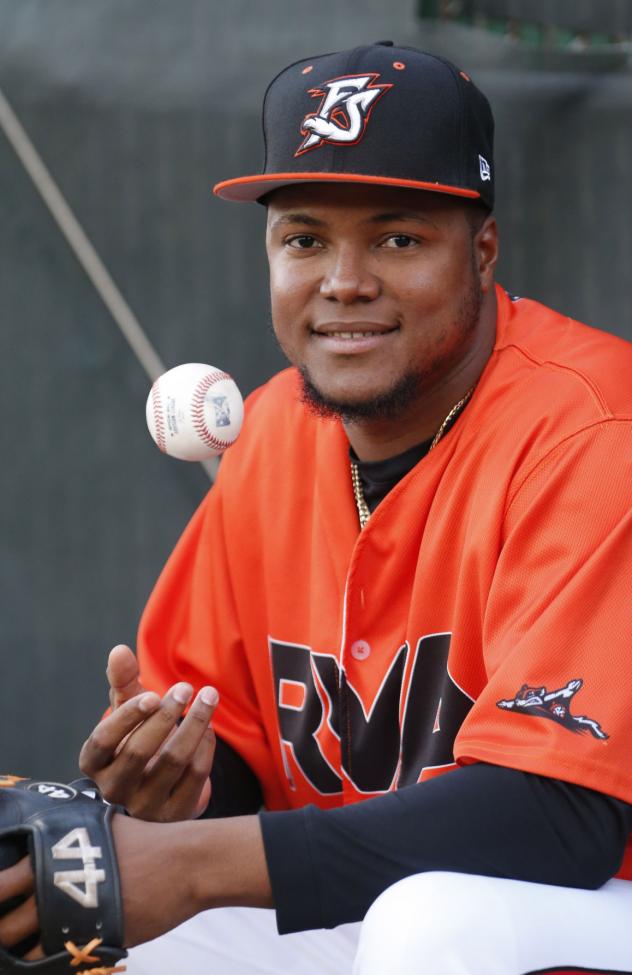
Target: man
x,y
415,561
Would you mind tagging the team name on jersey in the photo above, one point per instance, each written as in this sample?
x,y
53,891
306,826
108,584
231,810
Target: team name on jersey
x,y
328,732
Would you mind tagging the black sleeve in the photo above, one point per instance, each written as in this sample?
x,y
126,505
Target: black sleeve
x,y
235,789
328,866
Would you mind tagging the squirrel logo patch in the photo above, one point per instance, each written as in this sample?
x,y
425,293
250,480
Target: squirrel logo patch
x,y
555,705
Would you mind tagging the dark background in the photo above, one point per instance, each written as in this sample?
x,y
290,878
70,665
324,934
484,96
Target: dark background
x,y
138,107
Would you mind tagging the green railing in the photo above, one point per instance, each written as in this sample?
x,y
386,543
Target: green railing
x,y
554,25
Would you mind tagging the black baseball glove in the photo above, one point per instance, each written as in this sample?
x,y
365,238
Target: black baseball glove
x,y
66,831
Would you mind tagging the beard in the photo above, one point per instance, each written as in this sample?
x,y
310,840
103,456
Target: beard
x,y
394,402
388,405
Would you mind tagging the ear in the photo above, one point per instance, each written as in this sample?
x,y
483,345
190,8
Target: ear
x,y
486,252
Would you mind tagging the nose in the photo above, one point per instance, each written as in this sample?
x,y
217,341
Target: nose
x,y
348,279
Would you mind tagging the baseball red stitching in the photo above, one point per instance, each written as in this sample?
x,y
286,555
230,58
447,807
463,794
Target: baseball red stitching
x,y
159,419
197,410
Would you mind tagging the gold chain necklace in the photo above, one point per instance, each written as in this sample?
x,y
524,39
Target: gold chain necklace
x,y
363,509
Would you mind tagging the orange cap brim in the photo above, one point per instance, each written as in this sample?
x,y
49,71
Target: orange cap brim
x,y
248,189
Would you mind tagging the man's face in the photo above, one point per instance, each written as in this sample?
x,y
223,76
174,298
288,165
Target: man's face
x,y
375,293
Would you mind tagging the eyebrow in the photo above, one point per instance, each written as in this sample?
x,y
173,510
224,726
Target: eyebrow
x,y
307,220
397,216
303,218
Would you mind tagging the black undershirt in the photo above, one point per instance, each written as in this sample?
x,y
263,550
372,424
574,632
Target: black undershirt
x,y
378,477
328,866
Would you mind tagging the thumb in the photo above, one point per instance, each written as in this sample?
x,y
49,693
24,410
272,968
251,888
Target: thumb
x,y
123,675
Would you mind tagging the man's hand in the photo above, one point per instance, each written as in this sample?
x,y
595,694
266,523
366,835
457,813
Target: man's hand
x,y
140,758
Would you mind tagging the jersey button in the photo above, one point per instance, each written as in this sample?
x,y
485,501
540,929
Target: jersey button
x,y
360,649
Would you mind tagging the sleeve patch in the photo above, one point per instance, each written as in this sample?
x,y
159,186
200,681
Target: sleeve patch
x,y
555,705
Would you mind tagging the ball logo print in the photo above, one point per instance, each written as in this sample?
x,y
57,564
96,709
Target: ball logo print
x,y
344,111
222,410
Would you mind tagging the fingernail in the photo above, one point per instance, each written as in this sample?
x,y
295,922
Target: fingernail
x,y
209,696
182,693
148,702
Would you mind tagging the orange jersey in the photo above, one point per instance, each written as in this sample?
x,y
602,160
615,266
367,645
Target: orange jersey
x,y
483,614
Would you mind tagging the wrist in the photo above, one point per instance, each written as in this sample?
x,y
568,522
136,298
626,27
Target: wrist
x,y
171,871
225,863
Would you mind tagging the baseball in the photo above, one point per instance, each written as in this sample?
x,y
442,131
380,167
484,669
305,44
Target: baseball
x,y
194,411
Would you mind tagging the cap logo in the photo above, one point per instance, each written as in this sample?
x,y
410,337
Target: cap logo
x,y
344,111
485,169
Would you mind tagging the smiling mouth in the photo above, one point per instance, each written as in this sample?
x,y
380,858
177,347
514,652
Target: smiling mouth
x,y
355,334
352,335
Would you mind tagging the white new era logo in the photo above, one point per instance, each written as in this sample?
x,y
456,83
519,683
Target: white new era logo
x,y
485,168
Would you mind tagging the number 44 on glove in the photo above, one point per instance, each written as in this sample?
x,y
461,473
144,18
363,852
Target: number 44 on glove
x,y
66,831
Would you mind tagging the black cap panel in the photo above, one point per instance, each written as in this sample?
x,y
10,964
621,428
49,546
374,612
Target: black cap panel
x,y
382,111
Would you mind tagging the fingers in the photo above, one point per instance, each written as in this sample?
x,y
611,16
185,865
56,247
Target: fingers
x,y
178,776
183,786
101,747
204,797
123,675
16,881
191,793
154,735
34,954
141,758
21,922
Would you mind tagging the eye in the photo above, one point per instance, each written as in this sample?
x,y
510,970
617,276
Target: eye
x,y
400,241
303,242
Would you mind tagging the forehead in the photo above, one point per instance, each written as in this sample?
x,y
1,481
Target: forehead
x,y
342,200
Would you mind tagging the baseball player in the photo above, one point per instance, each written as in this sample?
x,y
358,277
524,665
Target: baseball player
x,y
409,585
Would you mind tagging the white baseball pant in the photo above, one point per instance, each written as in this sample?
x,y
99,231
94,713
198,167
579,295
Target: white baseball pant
x,y
429,924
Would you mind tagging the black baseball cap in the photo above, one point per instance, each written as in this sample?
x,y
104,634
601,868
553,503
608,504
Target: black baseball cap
x,y
380,114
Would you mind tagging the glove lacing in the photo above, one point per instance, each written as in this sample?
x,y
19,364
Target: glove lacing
x,y
82,955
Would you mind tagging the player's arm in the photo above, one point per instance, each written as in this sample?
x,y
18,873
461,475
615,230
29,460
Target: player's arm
x,y
168,873
320,868
206,863
328,866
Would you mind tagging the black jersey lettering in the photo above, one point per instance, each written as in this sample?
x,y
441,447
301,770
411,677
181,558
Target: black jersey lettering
x,y
435,710
300,711
376,751
370,750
